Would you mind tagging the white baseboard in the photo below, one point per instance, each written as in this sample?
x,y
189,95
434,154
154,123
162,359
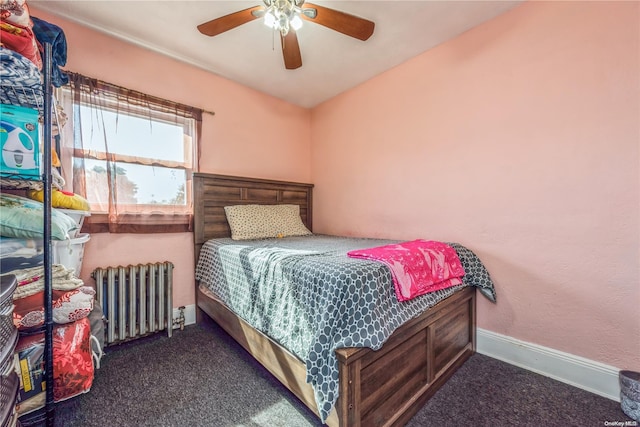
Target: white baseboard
x,y
189,315
577,371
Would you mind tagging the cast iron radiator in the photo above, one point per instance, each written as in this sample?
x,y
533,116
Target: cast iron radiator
x,y
136,300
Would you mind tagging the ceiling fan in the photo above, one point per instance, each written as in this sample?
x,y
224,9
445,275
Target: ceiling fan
x,y
286,16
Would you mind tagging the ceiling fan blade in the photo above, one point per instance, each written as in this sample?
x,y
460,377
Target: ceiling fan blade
x,y
291,50
229,22
344,23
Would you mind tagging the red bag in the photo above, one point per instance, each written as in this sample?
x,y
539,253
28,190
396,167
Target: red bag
x,y
72,365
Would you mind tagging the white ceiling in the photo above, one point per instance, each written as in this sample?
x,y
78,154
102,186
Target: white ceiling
x,y
251,54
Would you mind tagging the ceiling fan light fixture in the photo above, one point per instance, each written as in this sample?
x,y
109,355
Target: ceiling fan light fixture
x,y
282,15
286,16
296,22
270,19
283,24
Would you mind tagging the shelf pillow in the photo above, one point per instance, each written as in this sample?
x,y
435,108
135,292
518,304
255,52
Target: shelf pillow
x,y
16,12
265,221
24,218
68,306
62,199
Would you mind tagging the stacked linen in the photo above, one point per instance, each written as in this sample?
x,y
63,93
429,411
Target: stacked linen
x,y
25,34
18,71
71,299
73,368
21,222
16,30
21,225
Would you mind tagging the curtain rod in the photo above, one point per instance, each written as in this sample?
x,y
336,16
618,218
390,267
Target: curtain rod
x,y
71,73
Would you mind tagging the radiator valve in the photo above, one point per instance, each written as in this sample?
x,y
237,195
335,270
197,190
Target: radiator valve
x,y
181,317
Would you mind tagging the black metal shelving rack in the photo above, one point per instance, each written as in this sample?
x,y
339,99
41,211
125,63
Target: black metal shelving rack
x,y
48,415
48,291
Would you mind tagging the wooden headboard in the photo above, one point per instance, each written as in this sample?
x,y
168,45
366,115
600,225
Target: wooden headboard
x,y
211,193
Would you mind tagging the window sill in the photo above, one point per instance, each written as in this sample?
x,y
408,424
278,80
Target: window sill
x,y
142,224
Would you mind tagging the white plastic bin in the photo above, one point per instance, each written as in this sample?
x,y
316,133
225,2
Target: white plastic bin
x,y
70,252
78,217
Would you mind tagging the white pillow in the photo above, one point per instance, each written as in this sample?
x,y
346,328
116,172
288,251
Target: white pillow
x,y
263,221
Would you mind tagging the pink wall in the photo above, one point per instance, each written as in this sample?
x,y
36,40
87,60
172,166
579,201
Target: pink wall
x,y
276,145
520,140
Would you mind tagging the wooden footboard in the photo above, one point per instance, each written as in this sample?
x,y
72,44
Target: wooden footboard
x,y
387,387
377,388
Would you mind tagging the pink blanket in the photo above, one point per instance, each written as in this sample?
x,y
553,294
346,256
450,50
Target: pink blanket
x,y
417,267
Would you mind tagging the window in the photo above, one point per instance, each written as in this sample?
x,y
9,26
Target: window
x,y
130,155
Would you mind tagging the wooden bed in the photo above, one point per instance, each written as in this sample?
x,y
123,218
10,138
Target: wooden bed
x,y
377,388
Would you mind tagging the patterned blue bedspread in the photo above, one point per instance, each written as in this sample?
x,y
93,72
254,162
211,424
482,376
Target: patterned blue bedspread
x,y
307,295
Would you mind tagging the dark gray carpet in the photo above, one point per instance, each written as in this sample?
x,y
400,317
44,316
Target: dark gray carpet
x,y
201,377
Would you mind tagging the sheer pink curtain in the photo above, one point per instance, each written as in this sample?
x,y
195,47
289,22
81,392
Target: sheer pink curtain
x,y
97,166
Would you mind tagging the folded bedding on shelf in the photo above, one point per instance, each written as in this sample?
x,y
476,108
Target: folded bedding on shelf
x,y
31,280
16,71
71,300
57,182
21,39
